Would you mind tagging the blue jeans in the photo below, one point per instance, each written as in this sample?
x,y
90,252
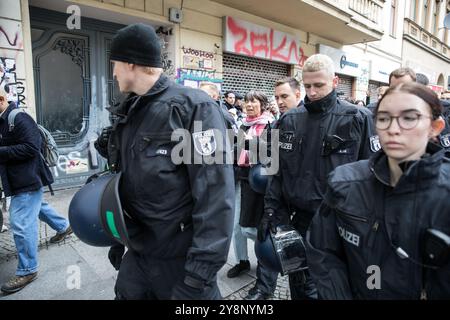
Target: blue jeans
x,y
239,240
24,211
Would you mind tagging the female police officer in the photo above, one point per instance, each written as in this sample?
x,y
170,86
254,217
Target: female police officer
x,y
372,234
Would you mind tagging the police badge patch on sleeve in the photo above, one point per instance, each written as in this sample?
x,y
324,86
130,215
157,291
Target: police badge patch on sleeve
x,y
445,140
375,143
205,142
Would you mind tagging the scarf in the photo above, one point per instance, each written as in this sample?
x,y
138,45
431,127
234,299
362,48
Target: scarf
x,y
257,125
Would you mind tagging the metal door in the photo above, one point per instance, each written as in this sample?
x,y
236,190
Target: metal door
x,y
345,87
242,74
73,86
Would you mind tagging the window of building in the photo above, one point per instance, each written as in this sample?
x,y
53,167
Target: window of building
x,y
425,13
434,17
393,24
413,14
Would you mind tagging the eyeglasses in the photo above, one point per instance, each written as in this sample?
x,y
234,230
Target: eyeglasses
x,y
406,120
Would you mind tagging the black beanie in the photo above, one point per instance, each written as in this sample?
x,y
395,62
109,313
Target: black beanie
x,y
138,44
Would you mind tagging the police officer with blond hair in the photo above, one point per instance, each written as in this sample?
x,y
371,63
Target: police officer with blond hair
x,y
314,140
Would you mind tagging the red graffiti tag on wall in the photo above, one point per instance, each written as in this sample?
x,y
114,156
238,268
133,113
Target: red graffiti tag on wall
x,y
257,41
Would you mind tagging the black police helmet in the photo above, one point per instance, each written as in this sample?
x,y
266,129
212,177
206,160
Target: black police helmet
x,y
95,212
258,178
283,252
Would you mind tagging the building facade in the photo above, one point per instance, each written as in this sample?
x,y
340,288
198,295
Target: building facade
x,y
426,43
54,54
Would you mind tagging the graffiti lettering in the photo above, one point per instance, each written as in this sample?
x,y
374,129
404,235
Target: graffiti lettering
x,y
193,74
167,62
241,34
168,66
11,43
257,41
198,53
8,81
193,77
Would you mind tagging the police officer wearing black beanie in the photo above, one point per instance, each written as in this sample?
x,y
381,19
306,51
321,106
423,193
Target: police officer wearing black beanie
x,y
179,214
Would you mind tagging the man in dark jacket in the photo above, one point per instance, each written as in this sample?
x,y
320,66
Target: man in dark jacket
x,y
230,99
287,94
314,140
23,174
179,203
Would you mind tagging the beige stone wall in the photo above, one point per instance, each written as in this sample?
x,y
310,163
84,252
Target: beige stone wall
x,y
202,29
202,26
15,44
424,62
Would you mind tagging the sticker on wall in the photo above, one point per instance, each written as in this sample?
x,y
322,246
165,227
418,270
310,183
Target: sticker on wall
x,y
77,166
9,83
197,59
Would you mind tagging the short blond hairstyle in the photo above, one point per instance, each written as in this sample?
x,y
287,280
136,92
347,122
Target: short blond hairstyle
x,y
211,89
318,62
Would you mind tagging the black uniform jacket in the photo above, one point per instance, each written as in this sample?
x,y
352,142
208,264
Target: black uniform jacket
x,y
363,220
314,140
178,208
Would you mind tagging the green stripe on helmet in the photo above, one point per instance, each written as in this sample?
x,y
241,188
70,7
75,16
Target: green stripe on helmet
x,y
112,224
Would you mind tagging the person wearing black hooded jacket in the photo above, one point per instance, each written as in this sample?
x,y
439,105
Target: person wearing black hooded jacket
x,y
314,140
383,229
179,204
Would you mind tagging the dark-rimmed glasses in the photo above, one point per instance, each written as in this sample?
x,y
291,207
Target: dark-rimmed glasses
x,y
407,120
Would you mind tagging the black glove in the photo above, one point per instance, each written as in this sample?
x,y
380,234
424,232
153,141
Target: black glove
x,y
268,222
115,255
101,144
104,137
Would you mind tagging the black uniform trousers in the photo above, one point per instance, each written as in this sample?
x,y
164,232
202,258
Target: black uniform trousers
x,y
147,278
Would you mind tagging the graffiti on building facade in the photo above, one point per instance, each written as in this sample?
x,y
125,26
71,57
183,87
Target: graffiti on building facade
x,y
246,38
193,77
197,59
11,42
166,54
9,82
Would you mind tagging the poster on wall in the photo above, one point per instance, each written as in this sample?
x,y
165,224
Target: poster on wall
x,y
197,59
193,78
8,79
74,166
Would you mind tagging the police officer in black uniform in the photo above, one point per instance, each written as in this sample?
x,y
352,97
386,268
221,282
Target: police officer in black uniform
x,y
383,229
314,140
178,207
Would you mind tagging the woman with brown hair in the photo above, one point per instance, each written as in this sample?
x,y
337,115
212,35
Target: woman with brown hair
x,y
383,229
252,203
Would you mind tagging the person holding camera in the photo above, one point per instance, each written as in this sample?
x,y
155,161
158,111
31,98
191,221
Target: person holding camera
x,y
383,228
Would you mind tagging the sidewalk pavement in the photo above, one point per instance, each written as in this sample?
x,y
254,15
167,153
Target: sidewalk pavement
x,y
72,270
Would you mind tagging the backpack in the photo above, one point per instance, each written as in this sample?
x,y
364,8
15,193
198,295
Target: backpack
x,y
50,152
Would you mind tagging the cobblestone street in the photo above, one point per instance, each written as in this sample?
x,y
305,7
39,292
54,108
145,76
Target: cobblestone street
x,y
281,292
